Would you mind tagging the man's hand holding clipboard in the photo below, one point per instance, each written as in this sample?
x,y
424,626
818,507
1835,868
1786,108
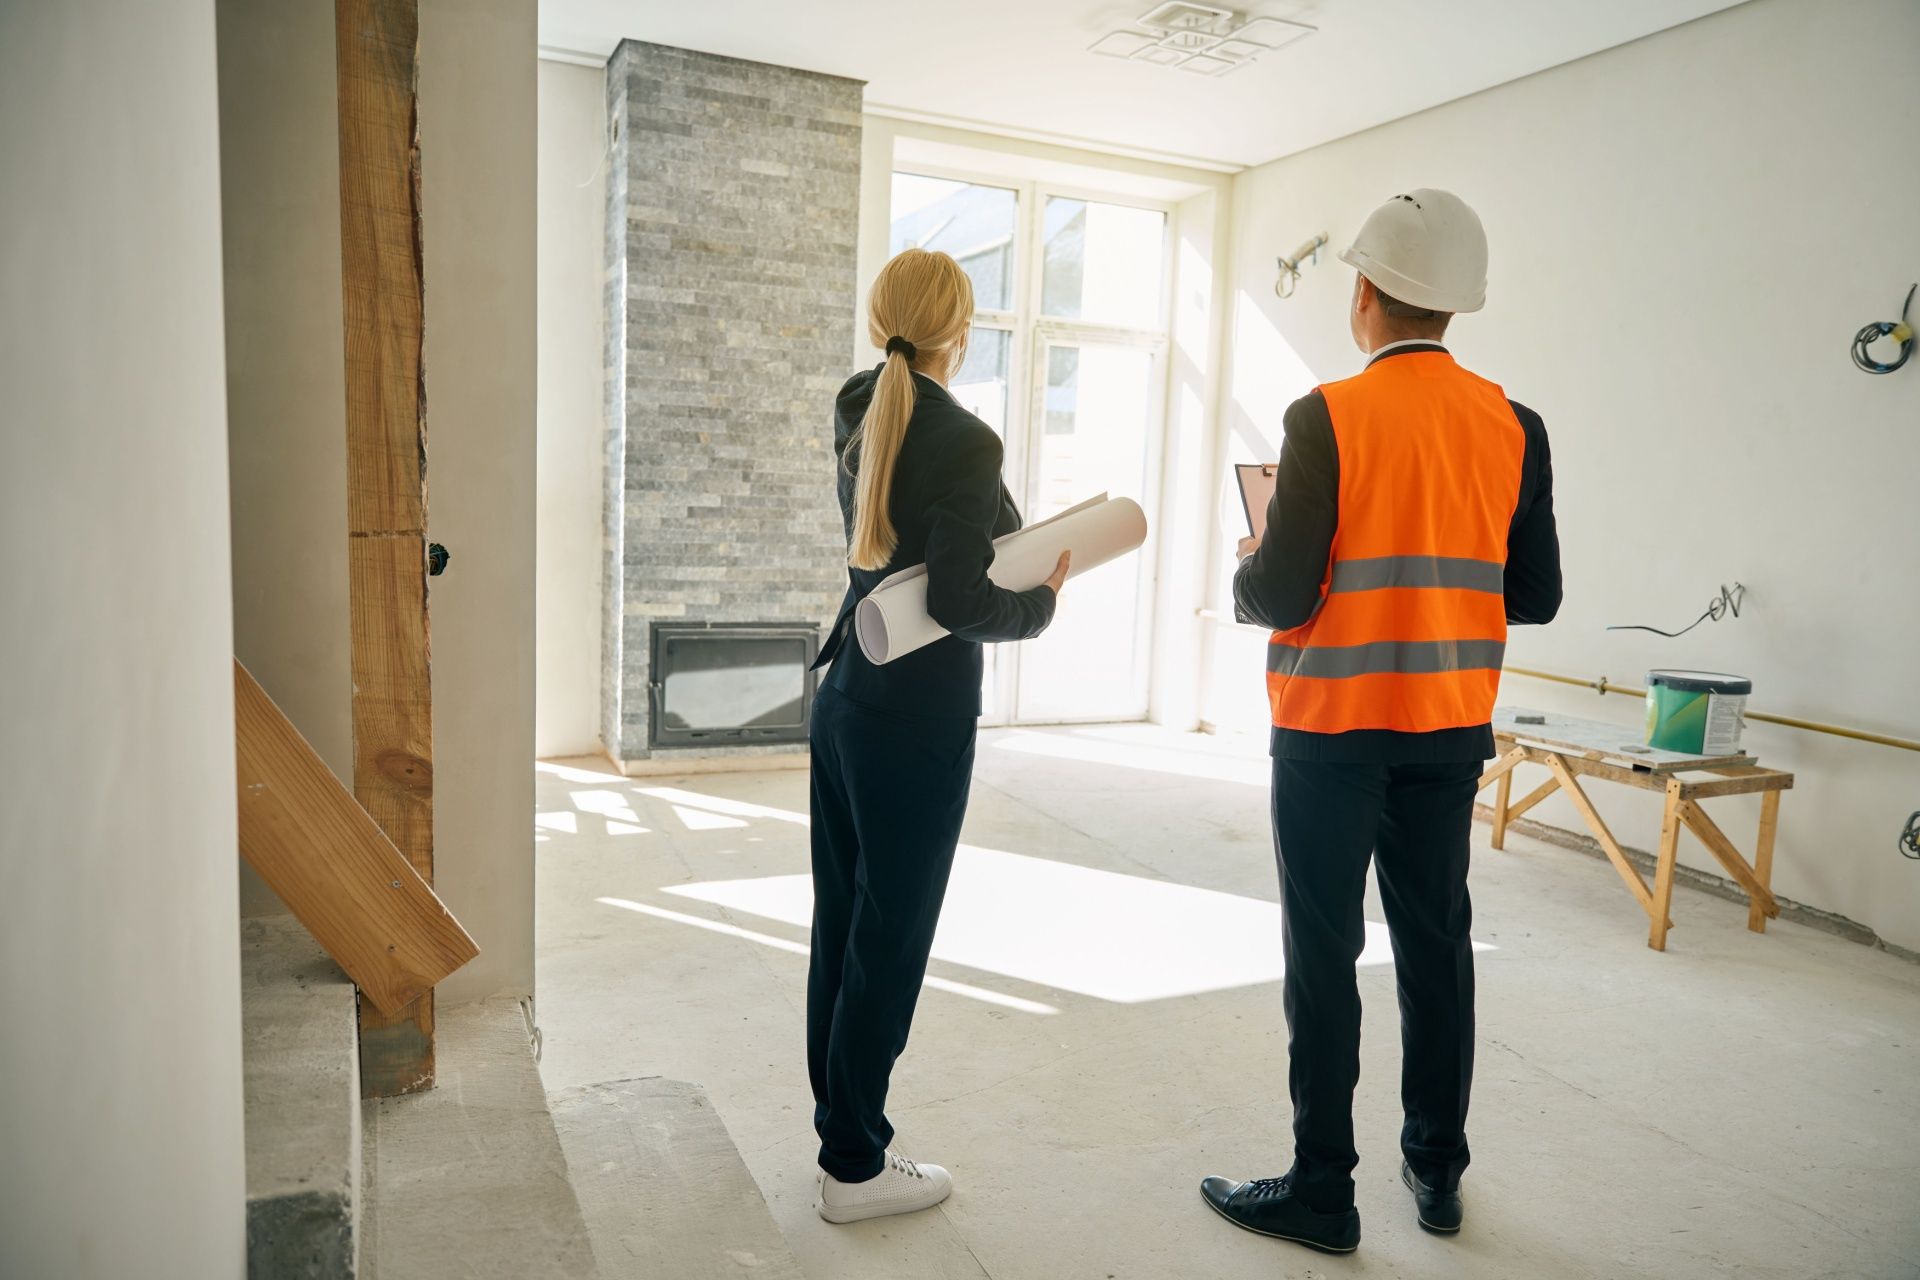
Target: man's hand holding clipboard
x,y
1256,481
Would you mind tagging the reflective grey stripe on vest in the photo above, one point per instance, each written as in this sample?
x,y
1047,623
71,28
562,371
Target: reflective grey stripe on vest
x,y
1385,657
1418,571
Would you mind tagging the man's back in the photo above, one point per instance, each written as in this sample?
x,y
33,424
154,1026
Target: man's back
x,y
1412,518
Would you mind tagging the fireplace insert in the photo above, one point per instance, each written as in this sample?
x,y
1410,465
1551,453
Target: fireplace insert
x,y
731,683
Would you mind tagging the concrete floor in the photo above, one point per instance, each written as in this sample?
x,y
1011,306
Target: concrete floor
x,y
1108,1029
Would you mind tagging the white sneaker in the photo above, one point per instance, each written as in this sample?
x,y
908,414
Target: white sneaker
x,y
901,1187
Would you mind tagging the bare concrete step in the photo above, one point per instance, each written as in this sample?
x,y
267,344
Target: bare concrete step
x,y
663,1188
467,1181
301,1050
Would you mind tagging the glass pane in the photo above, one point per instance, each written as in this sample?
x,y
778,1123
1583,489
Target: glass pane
x,y
981,384
973,223
726,682
1097,408
1102,262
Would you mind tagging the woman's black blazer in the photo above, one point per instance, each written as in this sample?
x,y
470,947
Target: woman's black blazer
x,y
949,503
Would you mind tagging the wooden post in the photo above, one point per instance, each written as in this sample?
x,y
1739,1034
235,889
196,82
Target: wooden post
x,y
1501,791
376,50
1663,873
1763,857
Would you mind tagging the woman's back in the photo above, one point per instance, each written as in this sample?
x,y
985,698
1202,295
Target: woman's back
x,y
946,504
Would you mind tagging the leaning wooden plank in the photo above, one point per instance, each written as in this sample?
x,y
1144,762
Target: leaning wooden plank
x,y
382,268
329,862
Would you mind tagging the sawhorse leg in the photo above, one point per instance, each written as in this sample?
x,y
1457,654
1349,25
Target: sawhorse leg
x,y
1663,873
1763,857
1502,770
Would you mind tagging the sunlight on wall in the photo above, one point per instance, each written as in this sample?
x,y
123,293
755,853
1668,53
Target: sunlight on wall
x,y
1268,375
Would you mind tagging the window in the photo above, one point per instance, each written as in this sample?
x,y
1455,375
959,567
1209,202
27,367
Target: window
x,y
973,224
1066,361
1103,263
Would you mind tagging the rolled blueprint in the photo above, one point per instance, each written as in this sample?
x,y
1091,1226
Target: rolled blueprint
x,y
893,619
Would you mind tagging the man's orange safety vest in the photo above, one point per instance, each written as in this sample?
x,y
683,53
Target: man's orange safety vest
x,y
1412,623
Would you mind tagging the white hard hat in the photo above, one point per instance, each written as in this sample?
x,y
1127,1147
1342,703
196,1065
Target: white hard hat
x,y
1426,248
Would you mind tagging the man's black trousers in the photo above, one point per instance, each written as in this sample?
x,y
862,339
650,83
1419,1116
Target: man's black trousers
x,y
1414,821
889,795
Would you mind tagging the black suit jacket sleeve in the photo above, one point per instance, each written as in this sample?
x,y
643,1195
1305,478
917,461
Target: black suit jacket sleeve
x,y
965,507
1278,586
1533,541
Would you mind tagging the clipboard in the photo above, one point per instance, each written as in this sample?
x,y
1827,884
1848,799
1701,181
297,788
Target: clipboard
x,y
1256,480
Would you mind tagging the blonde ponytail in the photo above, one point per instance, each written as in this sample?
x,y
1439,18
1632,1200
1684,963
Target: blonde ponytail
x,y
919,310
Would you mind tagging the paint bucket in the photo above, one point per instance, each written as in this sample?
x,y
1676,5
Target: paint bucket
x,y
1697,712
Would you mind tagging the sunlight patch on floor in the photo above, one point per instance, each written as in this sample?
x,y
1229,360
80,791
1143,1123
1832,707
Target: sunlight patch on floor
x,y
1123,938
801,949
1180,761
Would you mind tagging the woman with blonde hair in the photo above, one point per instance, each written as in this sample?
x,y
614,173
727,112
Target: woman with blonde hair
x,y
893,745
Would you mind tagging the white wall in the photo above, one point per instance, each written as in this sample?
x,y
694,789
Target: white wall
x,y
120,1081
572,306
477,145
286,385
1686,232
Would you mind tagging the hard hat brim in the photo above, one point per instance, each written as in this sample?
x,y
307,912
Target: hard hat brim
x,y
1406,289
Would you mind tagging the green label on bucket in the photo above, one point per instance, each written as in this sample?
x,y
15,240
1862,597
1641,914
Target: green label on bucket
x,y
1694,722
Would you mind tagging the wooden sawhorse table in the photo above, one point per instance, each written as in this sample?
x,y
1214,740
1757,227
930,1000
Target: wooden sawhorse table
x,y
1573,748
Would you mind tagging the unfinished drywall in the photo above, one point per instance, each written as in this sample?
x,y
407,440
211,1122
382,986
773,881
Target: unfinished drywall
x,y
1686,232
120,1081
286,389
477,137
572,431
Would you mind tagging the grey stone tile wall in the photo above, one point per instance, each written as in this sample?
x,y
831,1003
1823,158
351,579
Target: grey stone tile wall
x,y
733,207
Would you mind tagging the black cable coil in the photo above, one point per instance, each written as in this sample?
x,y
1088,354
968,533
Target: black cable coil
x,y
1900,331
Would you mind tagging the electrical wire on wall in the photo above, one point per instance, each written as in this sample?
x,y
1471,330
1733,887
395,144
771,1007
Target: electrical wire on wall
x,y
1290,267
1900,331
1725,605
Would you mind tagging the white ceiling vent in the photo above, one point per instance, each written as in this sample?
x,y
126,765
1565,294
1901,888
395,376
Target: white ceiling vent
x,y
1198,38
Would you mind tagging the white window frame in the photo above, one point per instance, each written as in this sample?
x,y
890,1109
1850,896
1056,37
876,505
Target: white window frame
x,y
1030,332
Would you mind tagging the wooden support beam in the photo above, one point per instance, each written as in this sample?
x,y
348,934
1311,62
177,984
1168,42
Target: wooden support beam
x,y
330,863
1501,790
1663,871
1629,874
1533,798
1763,858
376,51
1729,857
1502,767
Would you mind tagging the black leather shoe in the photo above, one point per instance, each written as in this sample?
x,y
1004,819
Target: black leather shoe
x,y
1268,1207
1439,1210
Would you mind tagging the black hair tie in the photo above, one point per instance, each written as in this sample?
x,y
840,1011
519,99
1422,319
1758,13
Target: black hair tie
x,y
904,347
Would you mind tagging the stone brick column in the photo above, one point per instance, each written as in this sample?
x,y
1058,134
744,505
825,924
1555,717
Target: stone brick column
x,y
732,216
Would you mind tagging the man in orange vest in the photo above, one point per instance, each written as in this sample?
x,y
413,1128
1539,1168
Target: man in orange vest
x,y
1412,520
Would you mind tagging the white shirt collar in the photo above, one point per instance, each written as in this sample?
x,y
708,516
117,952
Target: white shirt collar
x,y
1377,352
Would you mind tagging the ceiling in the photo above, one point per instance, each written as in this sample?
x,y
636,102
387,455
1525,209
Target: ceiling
x,y
1022,66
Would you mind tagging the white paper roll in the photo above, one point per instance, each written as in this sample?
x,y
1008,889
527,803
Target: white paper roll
x,y
893,619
